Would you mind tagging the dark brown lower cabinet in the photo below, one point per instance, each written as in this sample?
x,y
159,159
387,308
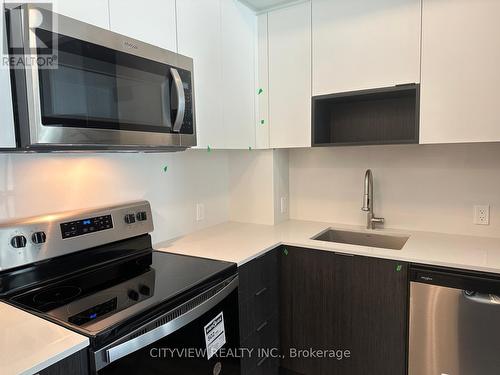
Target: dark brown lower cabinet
x,y
341,314
75,364
259,315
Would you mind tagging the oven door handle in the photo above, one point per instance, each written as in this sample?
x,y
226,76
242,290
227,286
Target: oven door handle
x,y
178,89
118,350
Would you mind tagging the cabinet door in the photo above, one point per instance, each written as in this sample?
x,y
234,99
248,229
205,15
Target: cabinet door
x,y
262,103
7,135
152,21
199,36
76,364
95,12
315,309
379,297
364,44
460,74
289,32
340,302
239,39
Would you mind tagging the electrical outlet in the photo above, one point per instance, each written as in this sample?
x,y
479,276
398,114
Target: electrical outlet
x,y
200,212
482,215
283,205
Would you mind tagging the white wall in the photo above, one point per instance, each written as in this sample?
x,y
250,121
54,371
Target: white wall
x,y
32,184
281,184
251,186
257,181
423,187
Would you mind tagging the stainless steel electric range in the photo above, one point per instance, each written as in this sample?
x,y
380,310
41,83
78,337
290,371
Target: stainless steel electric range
x,y
144,311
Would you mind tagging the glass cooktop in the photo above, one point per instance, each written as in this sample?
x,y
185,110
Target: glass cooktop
x,y
95,300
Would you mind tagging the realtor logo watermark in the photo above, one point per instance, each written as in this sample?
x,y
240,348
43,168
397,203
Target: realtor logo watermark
x,y
38,48
273,352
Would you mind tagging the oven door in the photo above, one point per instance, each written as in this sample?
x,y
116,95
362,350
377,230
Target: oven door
x,y
199,337
90,86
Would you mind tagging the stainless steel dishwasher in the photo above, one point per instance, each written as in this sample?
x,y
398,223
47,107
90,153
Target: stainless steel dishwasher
x,y
454,322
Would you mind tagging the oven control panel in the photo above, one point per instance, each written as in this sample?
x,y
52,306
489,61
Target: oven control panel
x,y
43,237
85,226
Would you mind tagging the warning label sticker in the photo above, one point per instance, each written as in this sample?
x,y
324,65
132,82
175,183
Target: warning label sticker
x,y
215,336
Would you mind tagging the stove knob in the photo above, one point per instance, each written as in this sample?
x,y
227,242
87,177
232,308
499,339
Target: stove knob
x,y
39,238
144,290
133,295
130,218
18,242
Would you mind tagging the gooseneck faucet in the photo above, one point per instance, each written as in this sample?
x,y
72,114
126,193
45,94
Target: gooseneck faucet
x,y
371,220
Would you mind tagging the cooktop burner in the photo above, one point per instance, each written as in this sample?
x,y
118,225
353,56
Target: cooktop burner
x,y
57,295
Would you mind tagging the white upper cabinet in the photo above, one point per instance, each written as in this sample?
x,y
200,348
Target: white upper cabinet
x,y
151,21
7,135
363,44
95,12
262,103
220,35
199,37
289,31
460,71
239,43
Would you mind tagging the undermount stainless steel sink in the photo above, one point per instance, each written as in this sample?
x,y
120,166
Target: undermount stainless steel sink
x,y
362,239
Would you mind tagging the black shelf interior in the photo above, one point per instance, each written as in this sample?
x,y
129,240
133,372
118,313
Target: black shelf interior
x,y
368,117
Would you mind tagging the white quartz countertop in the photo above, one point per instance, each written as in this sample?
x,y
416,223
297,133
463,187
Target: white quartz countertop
x,y
241,242
29,344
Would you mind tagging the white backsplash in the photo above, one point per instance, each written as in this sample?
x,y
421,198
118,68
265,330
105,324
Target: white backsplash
x,y
258,180
418,187
32,184
421,187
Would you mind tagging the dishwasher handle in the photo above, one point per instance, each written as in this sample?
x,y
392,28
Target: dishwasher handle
x,y
484,298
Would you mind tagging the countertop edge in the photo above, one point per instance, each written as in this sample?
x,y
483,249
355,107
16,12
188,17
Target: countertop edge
x,y
458,266
462,252
423,262
57,358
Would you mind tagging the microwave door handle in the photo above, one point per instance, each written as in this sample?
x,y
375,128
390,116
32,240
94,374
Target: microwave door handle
x,y
178,88
120,350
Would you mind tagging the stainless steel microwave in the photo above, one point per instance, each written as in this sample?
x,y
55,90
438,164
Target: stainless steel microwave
x,y
77,86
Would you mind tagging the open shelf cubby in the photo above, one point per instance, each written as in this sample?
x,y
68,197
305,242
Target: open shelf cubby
x,y
368,117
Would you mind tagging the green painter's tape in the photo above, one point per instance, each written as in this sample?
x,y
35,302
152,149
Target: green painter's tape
x,y
249,148
260,91
165,168
209,149
262,122
285,251
399,268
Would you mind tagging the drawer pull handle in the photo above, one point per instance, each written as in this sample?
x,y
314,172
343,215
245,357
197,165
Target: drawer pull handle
x,y
262,326
261,362
263,290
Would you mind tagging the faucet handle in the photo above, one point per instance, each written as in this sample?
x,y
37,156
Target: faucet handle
x,y
366,202
378,220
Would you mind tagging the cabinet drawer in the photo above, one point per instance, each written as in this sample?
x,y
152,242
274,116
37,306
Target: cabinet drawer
x,y
264,344
266,366
257,274
256,309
